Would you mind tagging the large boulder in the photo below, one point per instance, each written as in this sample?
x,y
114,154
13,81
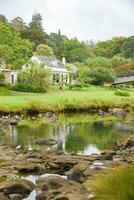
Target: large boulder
x,y
57,188
22,187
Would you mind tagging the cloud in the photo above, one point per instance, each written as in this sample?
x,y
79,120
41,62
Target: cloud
x,y
97,19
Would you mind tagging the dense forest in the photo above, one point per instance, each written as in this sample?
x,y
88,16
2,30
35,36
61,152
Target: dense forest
x,y
19,41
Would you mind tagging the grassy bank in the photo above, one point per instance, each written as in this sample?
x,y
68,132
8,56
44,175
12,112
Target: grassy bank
x,y
59,101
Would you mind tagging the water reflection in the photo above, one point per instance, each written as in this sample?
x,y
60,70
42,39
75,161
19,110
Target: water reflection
x,y
84,138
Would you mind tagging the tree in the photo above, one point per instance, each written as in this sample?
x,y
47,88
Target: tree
x,y
118,60
109,48
96,76
3,19
35,36
44,50
36,22
13,50
98,62
35,75
128,47
56,42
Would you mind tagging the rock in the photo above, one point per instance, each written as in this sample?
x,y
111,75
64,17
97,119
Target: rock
x,y
123,144
57,188
3,197
22,187
107,155
13,122
29,167
76,173
15,197
48,142
118,158
118,112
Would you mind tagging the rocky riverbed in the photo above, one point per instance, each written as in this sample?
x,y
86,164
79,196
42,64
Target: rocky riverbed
x,y
78,169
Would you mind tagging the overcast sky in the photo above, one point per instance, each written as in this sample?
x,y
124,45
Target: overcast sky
x,y
85,19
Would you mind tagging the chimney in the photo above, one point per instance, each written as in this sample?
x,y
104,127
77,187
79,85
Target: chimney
x,y
64,61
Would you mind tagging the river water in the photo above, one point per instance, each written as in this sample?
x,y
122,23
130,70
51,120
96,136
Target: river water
x,y
82,133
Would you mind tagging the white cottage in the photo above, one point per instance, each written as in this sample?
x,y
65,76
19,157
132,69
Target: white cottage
x,y
58,68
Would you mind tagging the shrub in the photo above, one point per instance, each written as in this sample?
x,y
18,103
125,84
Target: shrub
x,y
26,88
115,184
2,78
35,76
77,86
122,93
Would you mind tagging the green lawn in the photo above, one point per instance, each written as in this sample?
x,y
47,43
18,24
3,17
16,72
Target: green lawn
x,y
93,97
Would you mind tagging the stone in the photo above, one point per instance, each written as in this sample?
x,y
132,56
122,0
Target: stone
x,y
29,167
48,142
3,197
13,122
22,187
118,112
57,188
76,173
15,197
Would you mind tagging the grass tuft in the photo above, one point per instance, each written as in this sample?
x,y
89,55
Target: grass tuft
x,y
115,184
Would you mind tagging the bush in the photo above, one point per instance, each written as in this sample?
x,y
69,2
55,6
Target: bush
x,y
35,76
77,86
26,88
115,184
2,78
122,93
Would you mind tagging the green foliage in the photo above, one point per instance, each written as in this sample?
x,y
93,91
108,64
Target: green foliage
x,y
13,50
98,62
122,93
2,78
115,184
44,50
36,22
35,76
26,88
75,86
3,19
109,48
56,42
96,71
118,60
128,47
34,35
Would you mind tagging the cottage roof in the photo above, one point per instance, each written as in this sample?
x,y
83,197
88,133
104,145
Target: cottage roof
x,y
49,61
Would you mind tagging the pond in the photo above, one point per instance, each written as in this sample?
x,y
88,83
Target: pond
x,y
80,133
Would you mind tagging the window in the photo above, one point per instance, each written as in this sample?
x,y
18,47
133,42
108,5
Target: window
x,y
12,78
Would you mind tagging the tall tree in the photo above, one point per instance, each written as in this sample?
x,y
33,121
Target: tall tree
x,y
36,22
